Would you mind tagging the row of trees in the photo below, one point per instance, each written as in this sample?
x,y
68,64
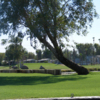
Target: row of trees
x,y
87,49
9,55
46,53
2,55
15,51
82,50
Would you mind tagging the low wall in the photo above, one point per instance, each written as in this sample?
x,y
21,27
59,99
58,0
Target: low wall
x,y
47,71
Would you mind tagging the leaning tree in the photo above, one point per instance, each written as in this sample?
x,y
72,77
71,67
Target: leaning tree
x,y
49,22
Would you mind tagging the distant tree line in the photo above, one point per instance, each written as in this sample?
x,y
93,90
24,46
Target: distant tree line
x,y
2,55
10,54
81,51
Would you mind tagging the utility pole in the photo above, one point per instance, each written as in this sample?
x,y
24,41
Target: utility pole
x,y
93,50
99,58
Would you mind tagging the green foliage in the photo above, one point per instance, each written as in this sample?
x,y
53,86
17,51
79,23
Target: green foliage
x,y
85,50
4,41
39,54
47,53
31,55
28,55
47,19
70,54
97,49
2,55
15,50
67,53
25,55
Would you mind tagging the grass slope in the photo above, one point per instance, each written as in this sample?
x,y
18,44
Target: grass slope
x,y
17,85
37,66
45,65
54,66
49,66
4,67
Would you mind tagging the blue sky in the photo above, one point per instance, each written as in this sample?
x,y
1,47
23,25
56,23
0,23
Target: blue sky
x,y
94,31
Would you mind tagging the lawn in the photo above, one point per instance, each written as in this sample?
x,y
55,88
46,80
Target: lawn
x,y
49,66
18,85
54,66
45,65
4,67
92,66
37,66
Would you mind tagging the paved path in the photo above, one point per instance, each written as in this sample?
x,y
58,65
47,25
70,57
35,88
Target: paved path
x,y
67,73
64,98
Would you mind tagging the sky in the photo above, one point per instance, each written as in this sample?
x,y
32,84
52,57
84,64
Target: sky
x,y
94,31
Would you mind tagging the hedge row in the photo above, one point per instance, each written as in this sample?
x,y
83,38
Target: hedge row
x,y
49,71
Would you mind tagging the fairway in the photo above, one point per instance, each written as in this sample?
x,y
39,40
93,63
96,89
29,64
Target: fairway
x,y
18,85
45,65
37,66
55,66
50,66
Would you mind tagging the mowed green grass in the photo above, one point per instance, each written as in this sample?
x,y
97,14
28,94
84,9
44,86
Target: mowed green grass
x,y
4,67
92,66
55,66
18,85
50,66
37,66
45,65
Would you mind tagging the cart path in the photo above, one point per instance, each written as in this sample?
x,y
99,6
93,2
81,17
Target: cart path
x,y
63,98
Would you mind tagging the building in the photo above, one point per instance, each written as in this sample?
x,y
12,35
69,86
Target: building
x,y
29,61
89,60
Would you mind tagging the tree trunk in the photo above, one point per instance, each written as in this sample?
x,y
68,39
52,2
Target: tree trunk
x,y
59,55
79,69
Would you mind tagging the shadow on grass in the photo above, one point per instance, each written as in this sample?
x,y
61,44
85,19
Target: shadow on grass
x,y
34,80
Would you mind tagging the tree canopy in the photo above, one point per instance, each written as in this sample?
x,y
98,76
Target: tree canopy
x,y
85,49
15,50
2,55
49,21
39,54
